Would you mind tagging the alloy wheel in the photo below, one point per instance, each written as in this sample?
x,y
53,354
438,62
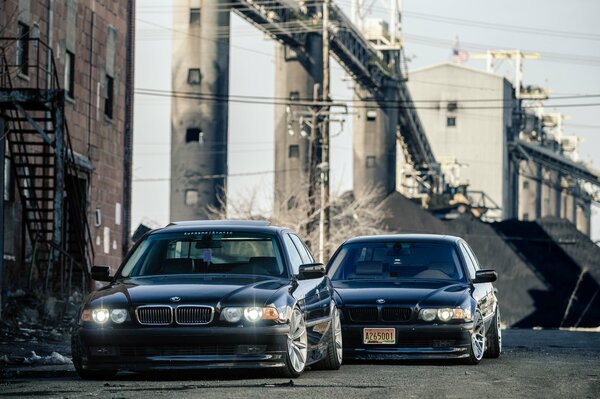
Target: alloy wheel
x,y
478,337
297,342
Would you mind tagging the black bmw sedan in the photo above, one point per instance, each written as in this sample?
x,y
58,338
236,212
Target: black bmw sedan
x,y
415,297
218,294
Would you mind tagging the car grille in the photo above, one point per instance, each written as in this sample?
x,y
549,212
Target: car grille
x,y
154,315
395,314
192,314
363,315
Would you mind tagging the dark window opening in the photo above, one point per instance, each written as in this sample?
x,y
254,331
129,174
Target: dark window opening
x,y
108,99
526,216
525,185
451,121
370,161
23,48
294,96
452,106
70,74
194,15
193,134
371,115
294,151
194,76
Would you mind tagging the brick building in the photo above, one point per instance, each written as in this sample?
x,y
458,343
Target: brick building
x,y
74,59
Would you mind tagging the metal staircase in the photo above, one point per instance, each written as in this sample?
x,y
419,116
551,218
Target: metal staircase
x,y
43,164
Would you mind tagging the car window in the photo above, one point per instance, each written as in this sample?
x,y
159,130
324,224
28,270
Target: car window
x,y
222,252
396,260
304,254
293,253
469,260
472,255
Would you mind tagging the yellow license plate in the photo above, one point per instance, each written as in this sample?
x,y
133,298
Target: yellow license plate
x,y
379,336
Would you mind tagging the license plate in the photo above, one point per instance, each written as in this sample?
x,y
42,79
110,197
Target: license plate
x,y
379,336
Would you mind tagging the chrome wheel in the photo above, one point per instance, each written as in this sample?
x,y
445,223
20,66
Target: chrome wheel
x,y
337,330
297,342
478,337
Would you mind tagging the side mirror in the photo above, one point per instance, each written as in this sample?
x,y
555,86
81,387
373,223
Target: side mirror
x,y
485,276
101,273
311,270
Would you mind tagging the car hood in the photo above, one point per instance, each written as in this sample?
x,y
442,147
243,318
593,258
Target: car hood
x,y
412,293
206,290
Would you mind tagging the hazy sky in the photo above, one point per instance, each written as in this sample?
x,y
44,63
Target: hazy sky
x,y
566,33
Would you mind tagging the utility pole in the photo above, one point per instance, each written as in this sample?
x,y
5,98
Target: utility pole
x,y
313,156
324,166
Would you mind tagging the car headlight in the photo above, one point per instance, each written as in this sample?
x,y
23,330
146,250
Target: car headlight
x,y
251,313
100,315
445,314
118,316
232,315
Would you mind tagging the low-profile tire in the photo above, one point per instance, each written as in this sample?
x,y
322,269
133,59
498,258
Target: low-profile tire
x,y
333,357
477,344
87,374
494,337
296,352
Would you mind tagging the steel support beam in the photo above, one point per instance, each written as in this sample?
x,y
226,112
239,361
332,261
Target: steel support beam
x,y
2,183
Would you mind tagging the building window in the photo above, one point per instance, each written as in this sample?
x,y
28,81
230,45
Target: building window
x,y
370,161
194,15
194,76
70,74
23,48
526,216
371,115
294,96
193,134
452,106
109,97
451,121
191,197
525,185
294,151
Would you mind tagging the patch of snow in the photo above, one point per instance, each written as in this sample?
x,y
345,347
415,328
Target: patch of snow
x,y
55,358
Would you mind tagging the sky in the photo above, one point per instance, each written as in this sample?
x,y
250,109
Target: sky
x,y
567,35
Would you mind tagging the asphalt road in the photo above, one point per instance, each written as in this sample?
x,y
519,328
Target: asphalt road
x,y
535,364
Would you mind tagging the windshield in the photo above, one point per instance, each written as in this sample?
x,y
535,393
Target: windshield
x,y
222,252
396,260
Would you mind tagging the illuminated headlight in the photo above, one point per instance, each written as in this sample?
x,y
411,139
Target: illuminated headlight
x,y
118,316
428,314
232,315
100,316
253,314
445,314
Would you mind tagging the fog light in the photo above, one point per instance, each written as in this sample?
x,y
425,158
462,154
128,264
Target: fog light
x,y
100,315
118,316
253,314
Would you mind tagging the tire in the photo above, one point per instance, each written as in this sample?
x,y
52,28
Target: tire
x,y
333,357
494,337
477,347
87,374
296,352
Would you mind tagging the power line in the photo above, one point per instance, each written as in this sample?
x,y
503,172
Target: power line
x,y
217,176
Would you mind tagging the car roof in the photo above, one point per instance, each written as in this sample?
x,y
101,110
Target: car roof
x,y
439,238
233,225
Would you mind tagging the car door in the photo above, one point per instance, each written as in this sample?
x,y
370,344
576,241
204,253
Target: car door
x,y
306,291
323,285
480,292
490,301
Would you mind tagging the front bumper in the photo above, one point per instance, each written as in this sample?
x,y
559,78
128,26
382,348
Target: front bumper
x,y
171,347
413,341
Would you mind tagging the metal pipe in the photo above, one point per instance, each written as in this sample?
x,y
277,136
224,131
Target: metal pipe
x,y
2,183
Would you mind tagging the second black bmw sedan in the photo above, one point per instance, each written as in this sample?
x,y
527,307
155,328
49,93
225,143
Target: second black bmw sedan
x,y
219,294
415,296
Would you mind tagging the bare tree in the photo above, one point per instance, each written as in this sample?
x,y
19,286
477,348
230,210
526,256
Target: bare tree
x,y
352,214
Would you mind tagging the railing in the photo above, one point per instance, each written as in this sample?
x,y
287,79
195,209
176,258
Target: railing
x,y
33,61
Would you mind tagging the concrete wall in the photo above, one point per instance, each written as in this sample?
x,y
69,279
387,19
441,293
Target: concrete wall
x,y
478,139
84,28
200,64
295,76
